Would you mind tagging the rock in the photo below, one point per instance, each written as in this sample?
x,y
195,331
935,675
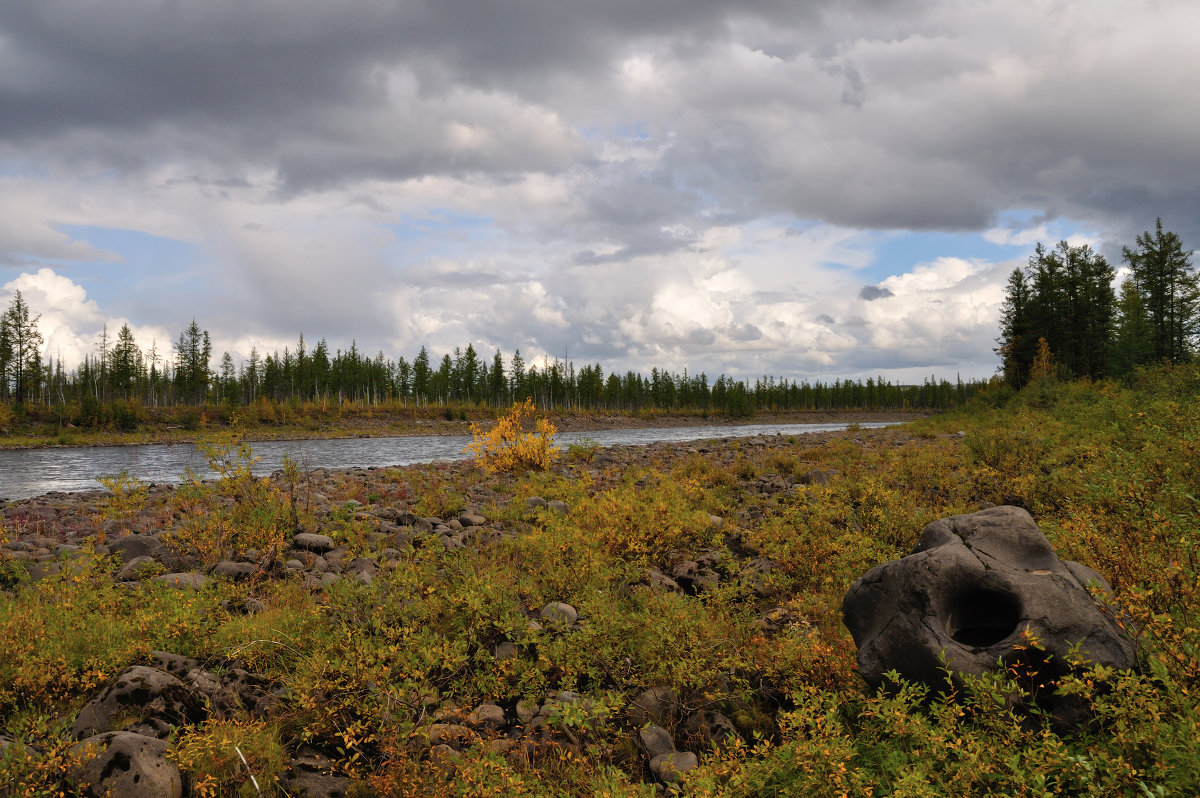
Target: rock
x,y
145,700
7,743
973,587
136,569
452,734
235,571
174,664
487,716
669,768
123,763
709,727
360,565
310,775
443,760
130,547
705,579
816,477
656,740
658,705
560,612
526,711
183,581
311,541
660,582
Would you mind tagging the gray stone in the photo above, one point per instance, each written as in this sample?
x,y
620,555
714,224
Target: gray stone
x,y
816,477
311,541
669,768
454,735
183,581
560,612
970,594
359,565
310,775
126,764
487,716
660,582
7,743
658,705
526,711
234,571
146,700
710,727
656,740
131,546
136,569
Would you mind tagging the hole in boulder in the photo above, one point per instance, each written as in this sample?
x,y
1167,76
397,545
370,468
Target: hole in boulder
x,y
981,617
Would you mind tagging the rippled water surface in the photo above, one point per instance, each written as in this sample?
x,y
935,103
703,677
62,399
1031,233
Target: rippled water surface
x,y
32,472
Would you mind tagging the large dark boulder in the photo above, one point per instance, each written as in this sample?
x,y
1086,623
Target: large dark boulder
x,y
973,592
143,700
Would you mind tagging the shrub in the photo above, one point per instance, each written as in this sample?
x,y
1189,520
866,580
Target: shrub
x,y
239,512
128,494
507,447
229,757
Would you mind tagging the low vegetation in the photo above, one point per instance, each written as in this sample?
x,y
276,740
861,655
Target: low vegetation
x,y
1111,471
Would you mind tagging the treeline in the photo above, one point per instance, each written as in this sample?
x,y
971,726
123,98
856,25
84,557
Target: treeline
x,y
116,383
1061,313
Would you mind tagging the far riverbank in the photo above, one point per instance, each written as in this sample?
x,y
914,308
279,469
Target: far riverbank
x,y
363,423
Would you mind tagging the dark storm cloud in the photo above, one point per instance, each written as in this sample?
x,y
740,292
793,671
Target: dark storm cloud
x,y
870,293
606,143
300,86
745,332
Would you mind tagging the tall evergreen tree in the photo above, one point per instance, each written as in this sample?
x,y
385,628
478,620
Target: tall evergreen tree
x,y
20,351
193,351
516,377
1064,296
422,377
497,392
125,363
1131,338
1170,290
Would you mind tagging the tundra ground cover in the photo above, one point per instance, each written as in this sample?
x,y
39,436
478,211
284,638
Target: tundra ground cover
x,y
712,573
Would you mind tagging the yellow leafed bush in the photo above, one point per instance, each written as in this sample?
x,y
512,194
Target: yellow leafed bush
x,y
508,447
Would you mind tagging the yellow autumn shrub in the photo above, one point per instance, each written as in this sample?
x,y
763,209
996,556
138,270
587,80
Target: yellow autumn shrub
x,y
508,447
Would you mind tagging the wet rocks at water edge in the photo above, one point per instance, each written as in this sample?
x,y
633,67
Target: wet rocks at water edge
x,y
978,589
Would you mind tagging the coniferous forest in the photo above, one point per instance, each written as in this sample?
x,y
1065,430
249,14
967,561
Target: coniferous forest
x,y
1062,314
120,384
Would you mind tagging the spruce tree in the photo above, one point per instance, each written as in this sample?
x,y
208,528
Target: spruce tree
x,y
1170,290
1131,338
20,351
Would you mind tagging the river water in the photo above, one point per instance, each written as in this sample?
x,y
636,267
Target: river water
x,y
32,472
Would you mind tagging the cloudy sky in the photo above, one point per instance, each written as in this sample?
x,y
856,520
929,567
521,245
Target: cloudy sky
x,y
805,189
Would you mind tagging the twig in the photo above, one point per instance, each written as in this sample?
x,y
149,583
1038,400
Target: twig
x,y
253,780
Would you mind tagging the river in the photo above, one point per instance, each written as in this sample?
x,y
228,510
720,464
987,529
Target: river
x,y
32,472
